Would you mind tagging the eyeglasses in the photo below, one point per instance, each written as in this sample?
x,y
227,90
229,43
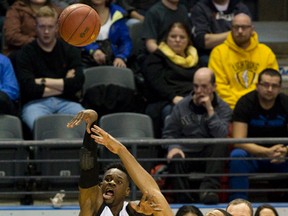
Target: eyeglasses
x,y
202,87
268,85
243,27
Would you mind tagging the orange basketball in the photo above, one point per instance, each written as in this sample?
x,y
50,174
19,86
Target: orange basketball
x,y
79,24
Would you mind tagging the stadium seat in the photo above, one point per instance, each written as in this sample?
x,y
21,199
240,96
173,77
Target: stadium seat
x,y
53,128
11,130
109,89
127,125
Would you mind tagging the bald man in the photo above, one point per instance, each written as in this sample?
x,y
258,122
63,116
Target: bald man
x,y
202,114
238,61
211,20
240,207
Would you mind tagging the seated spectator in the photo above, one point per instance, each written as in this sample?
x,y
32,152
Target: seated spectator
x,y
211,21
202,114
158,19
169,72
260,113
218,212
4,5
189,210
64,3
113,45
240,207
49,71
20,25
136,9
9,89
266,210
238,61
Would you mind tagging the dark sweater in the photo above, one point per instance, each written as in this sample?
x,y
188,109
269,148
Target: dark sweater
x,y
33,62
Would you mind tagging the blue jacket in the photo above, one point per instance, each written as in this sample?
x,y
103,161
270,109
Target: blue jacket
x,y
118,35
8,81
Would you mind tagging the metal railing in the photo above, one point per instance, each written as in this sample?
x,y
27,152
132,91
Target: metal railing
x,y
31,181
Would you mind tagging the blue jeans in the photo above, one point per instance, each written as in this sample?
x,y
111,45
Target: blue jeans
x,y
249,166
47,106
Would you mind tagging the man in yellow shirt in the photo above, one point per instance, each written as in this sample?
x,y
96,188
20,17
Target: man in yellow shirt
x,y
238,61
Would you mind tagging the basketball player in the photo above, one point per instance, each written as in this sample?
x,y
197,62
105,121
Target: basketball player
x,y
108,197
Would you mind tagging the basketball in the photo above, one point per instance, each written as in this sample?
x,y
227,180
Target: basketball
x,y
79,24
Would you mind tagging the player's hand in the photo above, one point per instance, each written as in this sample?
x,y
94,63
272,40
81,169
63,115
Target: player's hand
x,y
147,205
118,62
103,138
88,115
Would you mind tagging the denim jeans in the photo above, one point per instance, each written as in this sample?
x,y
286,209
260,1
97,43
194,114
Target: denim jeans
x,y
249,166
47,106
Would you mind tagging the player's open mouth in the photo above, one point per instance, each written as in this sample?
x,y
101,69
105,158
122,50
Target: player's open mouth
x,y
109,193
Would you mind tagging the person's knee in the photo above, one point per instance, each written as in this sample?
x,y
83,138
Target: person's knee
x,y
238,153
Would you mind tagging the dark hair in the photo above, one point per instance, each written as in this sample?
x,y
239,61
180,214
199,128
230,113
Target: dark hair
x,y
188,209
265,206
213,79
89,2
240,201
270,72
119,166
181,26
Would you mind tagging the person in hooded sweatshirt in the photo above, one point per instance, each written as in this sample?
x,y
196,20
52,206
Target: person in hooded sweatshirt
x,y
238,61
211,21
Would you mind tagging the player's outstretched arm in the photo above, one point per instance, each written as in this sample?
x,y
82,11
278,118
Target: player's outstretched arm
x,y
138,174
90,196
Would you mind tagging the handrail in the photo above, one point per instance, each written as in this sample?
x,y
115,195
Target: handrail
x,y
31,144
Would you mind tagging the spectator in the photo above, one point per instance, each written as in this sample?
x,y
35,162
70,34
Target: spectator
x,y
49,72
136,9
64,3
266,210
260,113
169,72
158,19
113,45
4,5
211,20
20,24
9,89
240,207
109,196
218,212
201,114
238,61
189,210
